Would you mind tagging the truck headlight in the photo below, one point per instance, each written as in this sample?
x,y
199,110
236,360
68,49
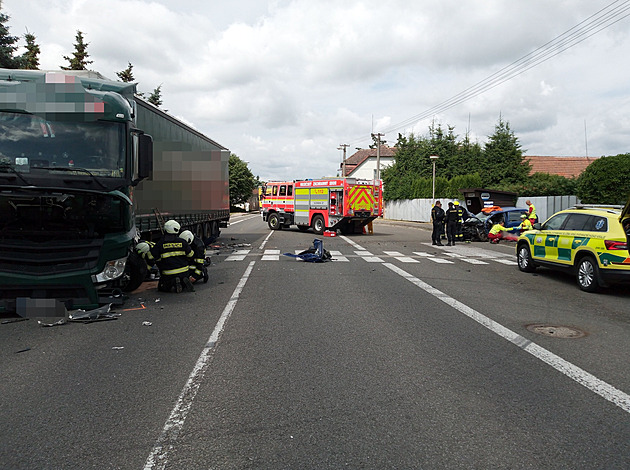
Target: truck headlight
x,y
113,269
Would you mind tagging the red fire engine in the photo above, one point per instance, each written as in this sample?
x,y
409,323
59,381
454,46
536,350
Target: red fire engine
x,y
347,204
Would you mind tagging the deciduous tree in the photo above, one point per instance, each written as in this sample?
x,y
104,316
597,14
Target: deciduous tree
x,y
242,181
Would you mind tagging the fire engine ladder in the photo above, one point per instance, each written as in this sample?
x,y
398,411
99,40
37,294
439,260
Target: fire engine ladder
x,y
159,218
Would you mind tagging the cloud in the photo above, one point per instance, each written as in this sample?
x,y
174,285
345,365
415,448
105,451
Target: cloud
x,y
283,83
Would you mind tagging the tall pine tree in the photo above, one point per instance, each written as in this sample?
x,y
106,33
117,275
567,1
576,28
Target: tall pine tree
x,y
78,61
8,45
127,74
30,59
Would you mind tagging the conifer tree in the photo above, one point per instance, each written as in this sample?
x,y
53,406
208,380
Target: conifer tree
x,y
30,59
7,45
127,74
78,61
156,97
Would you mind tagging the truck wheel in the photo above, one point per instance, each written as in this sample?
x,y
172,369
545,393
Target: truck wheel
x,y
318,224
587,274
274,222
135,273
524,258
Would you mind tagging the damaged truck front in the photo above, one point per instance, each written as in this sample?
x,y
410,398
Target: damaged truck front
x,y
69,158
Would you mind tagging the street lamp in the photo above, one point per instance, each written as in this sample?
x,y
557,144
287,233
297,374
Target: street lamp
x,y
433,159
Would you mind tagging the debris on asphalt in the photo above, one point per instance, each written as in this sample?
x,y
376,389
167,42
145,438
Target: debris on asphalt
x,y
22,350
13,320
146,323
315,254
118,347
98,314
61,321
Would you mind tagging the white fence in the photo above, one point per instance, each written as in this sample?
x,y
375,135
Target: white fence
x,y
419,210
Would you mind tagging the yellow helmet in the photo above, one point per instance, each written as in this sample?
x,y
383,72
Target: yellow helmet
x,y
456,203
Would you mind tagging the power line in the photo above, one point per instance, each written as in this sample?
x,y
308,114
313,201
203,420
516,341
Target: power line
x,y
592,25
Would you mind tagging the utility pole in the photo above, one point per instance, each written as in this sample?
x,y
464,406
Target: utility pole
x,y
378,155
343,164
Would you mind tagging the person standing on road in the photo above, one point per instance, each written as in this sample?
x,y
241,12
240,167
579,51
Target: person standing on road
x,y
531,214
173,257
452,215
437,218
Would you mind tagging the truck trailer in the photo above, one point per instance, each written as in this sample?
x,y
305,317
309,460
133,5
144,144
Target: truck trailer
x,y
87,168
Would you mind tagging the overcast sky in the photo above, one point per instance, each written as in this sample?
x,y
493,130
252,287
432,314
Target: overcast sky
x,y
283,83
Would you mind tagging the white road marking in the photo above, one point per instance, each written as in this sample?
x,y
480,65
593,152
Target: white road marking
x,y
441,261
351,242
262,246
158,458
584,378
473,261
423,254
337,256
238,255
509,262
271,255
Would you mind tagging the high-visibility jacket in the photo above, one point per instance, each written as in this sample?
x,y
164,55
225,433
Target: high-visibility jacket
x,y
525,225
532,212
496,228
172,255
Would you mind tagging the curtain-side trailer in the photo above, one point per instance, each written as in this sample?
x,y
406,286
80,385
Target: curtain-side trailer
x,y
76,168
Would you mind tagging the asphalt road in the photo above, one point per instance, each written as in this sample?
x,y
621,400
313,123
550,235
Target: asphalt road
x,y
397,354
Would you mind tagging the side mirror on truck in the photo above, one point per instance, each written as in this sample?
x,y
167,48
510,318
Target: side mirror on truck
x,y
144,158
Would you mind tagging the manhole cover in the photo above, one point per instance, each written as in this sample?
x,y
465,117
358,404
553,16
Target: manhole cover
x,y
557,331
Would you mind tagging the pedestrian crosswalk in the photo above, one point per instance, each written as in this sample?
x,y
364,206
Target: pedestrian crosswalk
x,y
469,255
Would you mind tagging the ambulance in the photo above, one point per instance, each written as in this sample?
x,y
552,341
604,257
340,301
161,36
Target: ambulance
x,y
590,241
344,204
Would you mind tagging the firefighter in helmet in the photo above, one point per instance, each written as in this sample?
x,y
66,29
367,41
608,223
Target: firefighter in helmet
x,y
173,257
459,225
198,269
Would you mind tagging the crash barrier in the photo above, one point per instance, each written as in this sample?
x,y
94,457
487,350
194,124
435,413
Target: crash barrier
x,y
419,210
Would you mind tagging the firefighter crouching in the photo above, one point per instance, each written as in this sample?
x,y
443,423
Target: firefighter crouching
x,y
173,256
198,269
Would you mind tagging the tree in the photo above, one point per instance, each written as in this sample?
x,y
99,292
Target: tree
x,y
7,45
242,181
156,97
605,181
30,59
127,74
503,159
78,61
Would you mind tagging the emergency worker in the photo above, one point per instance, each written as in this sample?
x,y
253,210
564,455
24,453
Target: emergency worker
x,y
459,235
437,218
531,214
144,250
498,232
452,215
173,257
198,269
525,224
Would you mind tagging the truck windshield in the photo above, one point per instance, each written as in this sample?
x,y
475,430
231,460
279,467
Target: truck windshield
x,y
28,142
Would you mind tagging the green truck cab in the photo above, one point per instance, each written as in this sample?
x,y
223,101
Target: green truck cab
x,y
70,156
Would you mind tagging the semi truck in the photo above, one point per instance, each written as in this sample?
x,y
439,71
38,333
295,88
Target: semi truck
x,y
87,169
344,204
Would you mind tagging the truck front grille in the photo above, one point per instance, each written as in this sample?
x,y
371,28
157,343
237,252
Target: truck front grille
x,y
48,258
